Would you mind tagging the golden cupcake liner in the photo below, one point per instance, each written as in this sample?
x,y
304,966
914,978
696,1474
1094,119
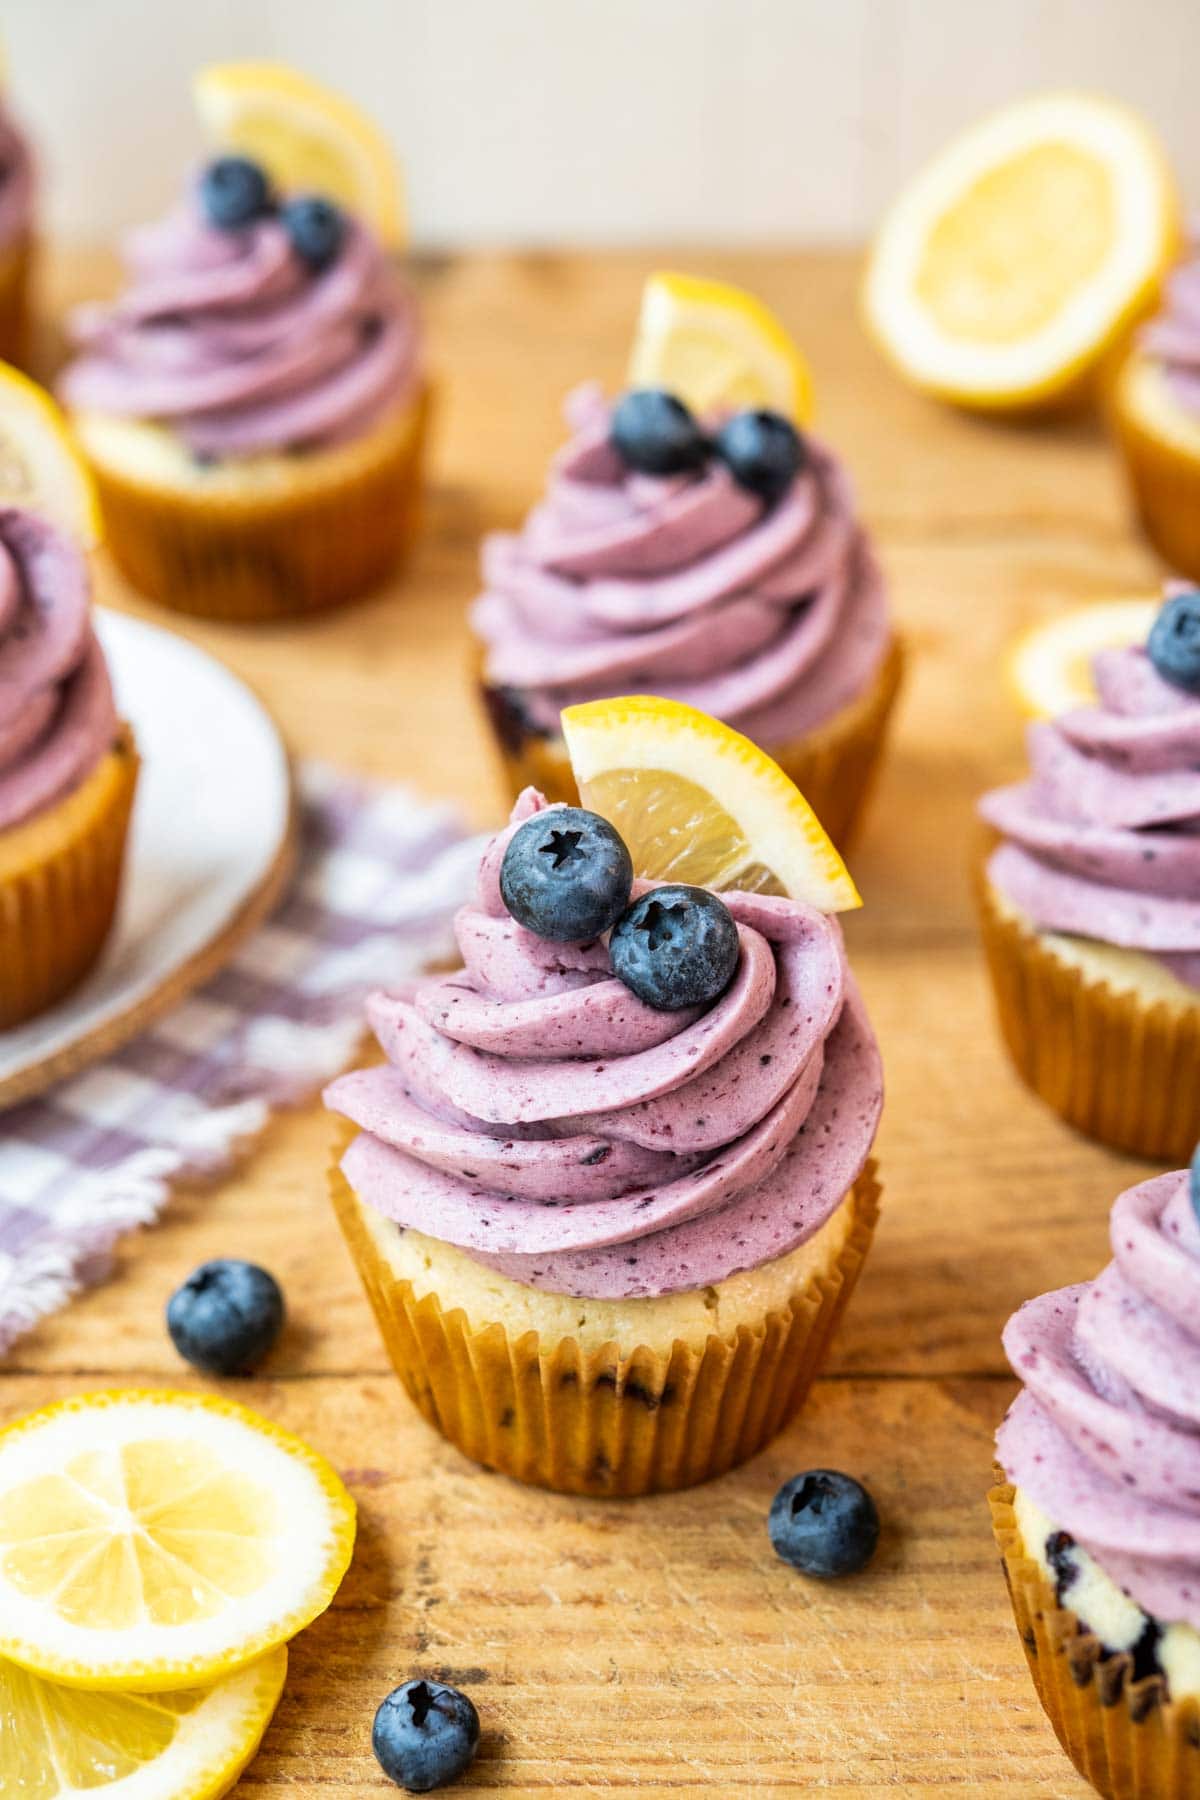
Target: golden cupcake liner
x,y
616,1420
57,902
256,557
1120,1068
834,767
1123,1736
1165,479
16,265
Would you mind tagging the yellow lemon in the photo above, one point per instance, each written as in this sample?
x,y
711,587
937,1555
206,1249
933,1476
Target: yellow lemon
x,y
1050,665
716,346
40,467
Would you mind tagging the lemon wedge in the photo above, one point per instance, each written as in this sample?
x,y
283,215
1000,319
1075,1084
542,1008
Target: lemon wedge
x,y
716,346
698,803
40,467
1018,257
309,139
154,1540
1050,665
58,1743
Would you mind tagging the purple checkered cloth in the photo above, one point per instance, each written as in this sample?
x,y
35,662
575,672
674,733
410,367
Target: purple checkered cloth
x,y
380,876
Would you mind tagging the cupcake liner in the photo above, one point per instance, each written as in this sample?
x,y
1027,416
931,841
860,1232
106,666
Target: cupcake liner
x,y
255,557
1123,1736
16,264
57,904
834,766
1120,1068
1165,478
615,1420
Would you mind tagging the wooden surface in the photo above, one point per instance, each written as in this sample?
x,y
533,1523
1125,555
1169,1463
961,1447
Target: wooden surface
x,y
659,1648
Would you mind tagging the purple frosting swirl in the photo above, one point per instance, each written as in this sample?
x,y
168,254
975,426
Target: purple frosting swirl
x,y
1106,1435
1172,337
1104,840
234,341
16,183
772,619
535,1113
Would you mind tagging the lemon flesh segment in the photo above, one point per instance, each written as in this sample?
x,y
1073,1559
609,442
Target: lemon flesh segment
x,y
699,803
40,468
154,1541
58,1742
1050,666
717,347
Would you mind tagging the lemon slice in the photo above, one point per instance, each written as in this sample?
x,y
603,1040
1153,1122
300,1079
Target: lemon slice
x,y
308,139
40,467
159,1540
698,803
1019,255
1050,666
59,1742
715,346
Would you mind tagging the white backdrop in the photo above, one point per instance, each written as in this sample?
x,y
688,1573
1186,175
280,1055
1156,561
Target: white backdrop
x,y
602,121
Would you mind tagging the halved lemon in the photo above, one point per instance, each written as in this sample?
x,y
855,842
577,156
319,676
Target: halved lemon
x,y
698,803
1050,665
57,1743
155,1540
40,467
1020,254
716,346
309,139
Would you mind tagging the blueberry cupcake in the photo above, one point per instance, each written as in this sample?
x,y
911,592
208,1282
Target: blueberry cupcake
x,y
1098,1515
17,195
1090,898
253,405
610,1189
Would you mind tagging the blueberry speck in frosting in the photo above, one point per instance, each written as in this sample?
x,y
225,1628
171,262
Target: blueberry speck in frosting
x,y
654,432
566,875
1174,642
226,1317
676,947
234,192
763,452
425,1735
824,1523
315,228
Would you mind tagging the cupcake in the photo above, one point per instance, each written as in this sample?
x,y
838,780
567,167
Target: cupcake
x,y
16,236
68,770
610,1191
1156,416
720,564
1098,1519
1090,899
253,405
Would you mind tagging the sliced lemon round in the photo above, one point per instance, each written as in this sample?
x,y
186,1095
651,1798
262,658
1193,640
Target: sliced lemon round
x,y
698,803
716,346
1014,261
309,139
40,467
1050,665
157,1540
193,1744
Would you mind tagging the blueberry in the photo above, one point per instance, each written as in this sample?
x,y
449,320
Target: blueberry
x,y
655,433
824,1523
315,229
675,947
566,875
226,1316
234,192
1195,1181
763,452
1174,641
425,1735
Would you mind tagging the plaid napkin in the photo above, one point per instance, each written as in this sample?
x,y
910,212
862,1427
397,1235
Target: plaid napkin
x,y
379,878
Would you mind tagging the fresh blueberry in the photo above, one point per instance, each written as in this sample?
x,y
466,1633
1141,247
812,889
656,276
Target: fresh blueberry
x,y
234,192
824,1523
675,947
315,229
1174,642
566,875
226,1316
655,433
1195,1181
425,1735
763,452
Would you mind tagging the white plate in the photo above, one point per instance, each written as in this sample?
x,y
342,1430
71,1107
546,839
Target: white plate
x,y
209,854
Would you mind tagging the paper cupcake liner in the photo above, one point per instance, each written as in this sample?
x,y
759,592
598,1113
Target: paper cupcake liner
x,y
16,264
1123,1736
834,767
618,1420
1165,480
56,910
1120,1068
252,558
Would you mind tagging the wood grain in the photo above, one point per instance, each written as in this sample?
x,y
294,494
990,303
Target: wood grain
x,y
658,1648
